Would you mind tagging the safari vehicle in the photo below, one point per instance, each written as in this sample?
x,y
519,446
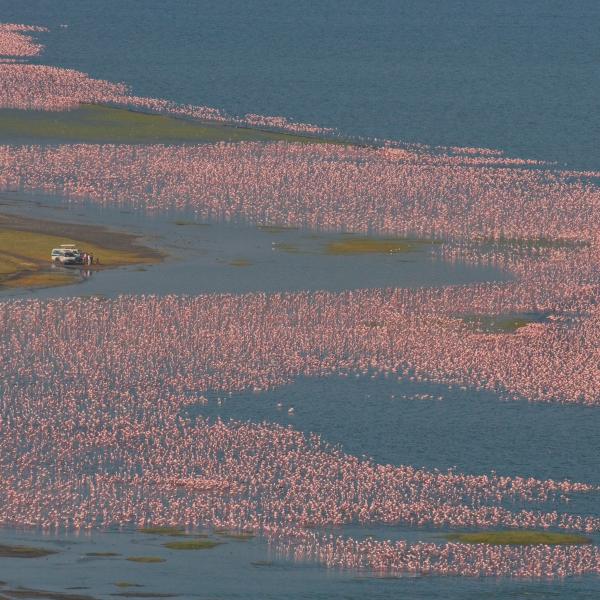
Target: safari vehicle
x,y
67,254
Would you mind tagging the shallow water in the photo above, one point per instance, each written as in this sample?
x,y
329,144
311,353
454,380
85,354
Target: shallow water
x,y
394,423
204,258
227,571
432,426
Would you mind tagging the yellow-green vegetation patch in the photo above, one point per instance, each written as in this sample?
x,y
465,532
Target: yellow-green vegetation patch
x,y
9,264
365,245
10,551
192,545
240,262
349,245
103,554
502,323
26,244
518,538
106,124
146,559
36,246
171,531
41,279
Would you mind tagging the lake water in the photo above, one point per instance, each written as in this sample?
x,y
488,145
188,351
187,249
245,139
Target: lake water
x,y
397,422
517,76
508,75
206,258
236,570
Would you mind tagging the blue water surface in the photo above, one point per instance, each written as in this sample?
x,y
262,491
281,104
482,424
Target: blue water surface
x,y
519,76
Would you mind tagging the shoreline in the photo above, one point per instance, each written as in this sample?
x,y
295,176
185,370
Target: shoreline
x,y
26,242
106,123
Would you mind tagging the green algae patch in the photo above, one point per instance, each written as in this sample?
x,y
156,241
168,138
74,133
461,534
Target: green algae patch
x,y
9,551
146,559
240,262
103,554
518,538
502,323
352,245
105,124
170,531
192,545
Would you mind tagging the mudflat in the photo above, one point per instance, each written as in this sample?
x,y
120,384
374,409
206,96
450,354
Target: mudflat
x,y
26,243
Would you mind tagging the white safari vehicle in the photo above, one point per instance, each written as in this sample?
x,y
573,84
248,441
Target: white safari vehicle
x,y
67,254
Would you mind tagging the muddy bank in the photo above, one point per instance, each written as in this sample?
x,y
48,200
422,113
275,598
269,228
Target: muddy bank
x,y
26,243
89,234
